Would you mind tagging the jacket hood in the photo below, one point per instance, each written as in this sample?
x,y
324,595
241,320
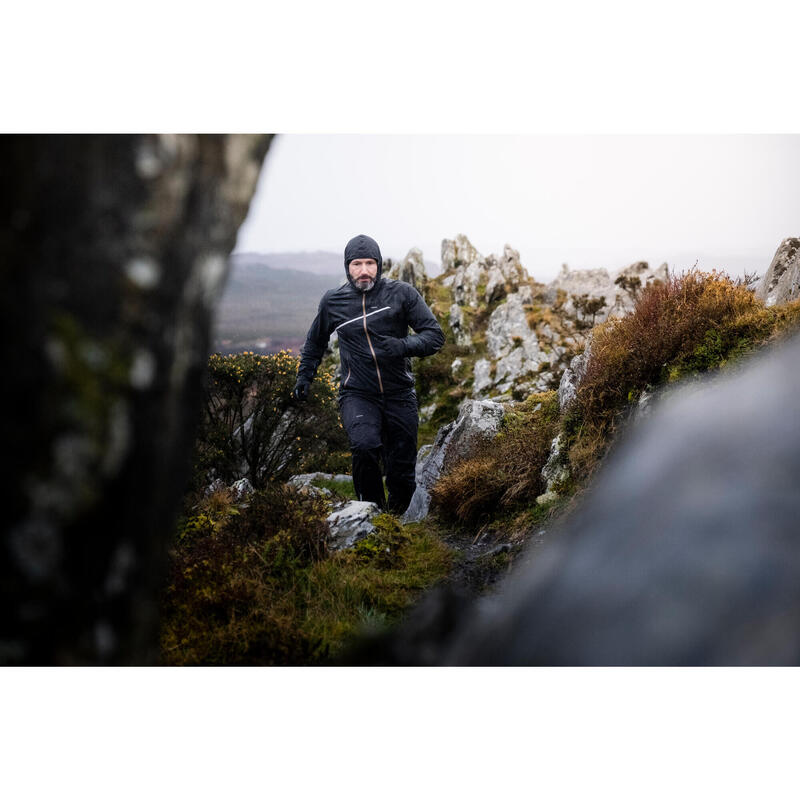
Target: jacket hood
x,y
362,246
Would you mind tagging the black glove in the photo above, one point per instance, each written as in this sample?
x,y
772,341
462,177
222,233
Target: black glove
x,y
394,348
300,391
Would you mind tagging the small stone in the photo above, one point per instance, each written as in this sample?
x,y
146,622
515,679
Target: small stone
x,y
351,523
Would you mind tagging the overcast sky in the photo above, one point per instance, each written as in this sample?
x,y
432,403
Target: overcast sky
x,y
726,201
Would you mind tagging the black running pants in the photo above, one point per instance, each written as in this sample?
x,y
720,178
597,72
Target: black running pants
x,y
382,429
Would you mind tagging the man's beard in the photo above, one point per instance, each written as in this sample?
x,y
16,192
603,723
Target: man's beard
x,y
365,285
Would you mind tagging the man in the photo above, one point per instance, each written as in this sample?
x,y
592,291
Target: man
x,y
378,405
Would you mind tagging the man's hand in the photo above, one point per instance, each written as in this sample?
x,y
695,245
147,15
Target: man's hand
x,y
300,391
394,348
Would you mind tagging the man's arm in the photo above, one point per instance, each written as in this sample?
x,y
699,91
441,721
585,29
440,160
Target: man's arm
x,y
316,341
428,337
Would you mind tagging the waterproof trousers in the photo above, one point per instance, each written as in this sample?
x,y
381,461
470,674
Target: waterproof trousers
x,y
382,429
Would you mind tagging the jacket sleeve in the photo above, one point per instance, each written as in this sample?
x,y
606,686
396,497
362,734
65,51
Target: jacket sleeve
x,y
316,341
428,337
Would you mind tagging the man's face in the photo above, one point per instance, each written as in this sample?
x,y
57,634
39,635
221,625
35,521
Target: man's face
x,y
363,272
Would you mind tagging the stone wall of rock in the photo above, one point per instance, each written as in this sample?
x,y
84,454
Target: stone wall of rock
x,y
113,251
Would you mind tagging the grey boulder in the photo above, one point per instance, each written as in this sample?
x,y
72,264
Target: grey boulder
x,y
478,420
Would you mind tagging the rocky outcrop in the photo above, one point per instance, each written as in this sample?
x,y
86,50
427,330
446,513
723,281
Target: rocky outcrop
x,y
528,340
595,284
477,421
114,250
505,274
512,344
465,270
508,326
458,252
781,282
593,295
411,270
466,282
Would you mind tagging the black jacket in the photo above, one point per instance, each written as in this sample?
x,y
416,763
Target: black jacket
x,y
362,321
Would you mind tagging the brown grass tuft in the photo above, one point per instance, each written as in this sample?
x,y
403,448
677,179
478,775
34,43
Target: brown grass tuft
x,y
504,472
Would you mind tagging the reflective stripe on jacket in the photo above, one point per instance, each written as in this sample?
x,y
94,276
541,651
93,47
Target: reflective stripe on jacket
x,y
362,321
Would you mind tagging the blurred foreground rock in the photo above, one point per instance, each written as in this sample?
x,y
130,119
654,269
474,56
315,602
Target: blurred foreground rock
x,y
684,552
113,251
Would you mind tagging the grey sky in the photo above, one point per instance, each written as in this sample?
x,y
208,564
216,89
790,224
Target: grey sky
x,y
588,200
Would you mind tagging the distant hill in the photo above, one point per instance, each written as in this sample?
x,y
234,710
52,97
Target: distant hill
x,y
320,262
266,309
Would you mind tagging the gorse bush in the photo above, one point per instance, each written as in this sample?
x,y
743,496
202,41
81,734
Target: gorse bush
x,y
252,427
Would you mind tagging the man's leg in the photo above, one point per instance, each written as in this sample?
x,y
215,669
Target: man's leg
x,y
400,449
361,418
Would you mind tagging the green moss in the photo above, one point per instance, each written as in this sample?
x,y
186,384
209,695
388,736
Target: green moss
x,y
440,298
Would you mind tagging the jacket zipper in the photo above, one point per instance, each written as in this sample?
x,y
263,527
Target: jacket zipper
x,y
369,341
347,378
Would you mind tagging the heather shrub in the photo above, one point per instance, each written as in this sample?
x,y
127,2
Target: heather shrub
x,y
692,323
506,472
